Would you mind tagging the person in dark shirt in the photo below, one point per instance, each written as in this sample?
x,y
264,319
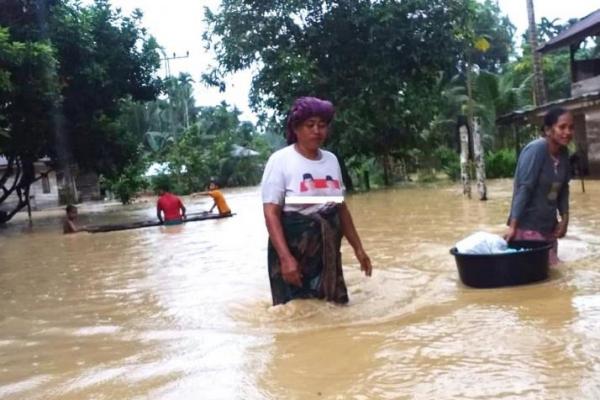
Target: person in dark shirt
x,y
541,184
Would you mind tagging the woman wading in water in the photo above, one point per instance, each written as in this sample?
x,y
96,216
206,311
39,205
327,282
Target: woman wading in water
x,y
541,184
305,235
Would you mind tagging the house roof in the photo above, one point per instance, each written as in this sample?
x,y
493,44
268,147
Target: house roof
x,y
586,26
532,114
240,151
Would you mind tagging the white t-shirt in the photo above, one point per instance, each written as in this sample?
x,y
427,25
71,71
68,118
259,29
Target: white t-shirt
x,y
289,174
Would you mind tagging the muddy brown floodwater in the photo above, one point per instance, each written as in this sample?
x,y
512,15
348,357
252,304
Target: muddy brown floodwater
x,y
184,312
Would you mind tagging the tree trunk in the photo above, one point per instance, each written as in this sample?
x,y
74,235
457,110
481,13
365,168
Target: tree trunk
x,y
348,184
386,169
538,73
64,159
479,160
464,160
366,180
21,176
517,140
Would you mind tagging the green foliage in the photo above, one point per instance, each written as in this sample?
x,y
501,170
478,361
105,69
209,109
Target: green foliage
x,y
105,57
128,183
204,151
28,94
377,61
164,180
500,164
64,70
449,162
426,175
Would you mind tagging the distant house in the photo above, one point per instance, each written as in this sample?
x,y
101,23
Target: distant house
x,y
43,193
584,102
47,191
240,151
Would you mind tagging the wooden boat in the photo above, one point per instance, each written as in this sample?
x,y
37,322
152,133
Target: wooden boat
x,y
152,222
528,265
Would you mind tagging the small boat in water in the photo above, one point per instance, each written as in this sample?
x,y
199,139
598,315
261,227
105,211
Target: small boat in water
x,y
527,264
153,222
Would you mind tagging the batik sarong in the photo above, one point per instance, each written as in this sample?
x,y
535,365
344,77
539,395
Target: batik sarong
x,y
525,234
314,240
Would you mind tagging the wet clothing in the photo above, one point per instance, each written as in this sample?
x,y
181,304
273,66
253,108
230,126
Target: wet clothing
x,y
288,173
170,205
541,188
219,200
314,240
534,235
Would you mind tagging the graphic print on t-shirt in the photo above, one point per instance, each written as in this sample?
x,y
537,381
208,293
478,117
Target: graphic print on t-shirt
x,y
309,184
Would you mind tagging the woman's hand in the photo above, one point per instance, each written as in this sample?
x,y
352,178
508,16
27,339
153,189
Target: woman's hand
x,y
561,229
510,234
290,271
364,260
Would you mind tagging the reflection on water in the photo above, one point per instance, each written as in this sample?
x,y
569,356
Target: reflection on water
x,y
184,312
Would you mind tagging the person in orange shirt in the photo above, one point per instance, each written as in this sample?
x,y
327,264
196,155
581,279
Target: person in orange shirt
x,y
219,200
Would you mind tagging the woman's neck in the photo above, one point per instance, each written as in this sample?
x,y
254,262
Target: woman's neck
x,y
553,147
311,154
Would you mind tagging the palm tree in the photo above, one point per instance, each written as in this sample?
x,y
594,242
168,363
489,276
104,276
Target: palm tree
x,y
538,74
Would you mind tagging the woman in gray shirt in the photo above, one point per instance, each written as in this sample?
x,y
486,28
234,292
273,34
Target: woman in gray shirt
x,y
541,184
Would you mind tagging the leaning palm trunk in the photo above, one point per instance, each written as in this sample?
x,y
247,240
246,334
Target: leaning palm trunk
x,y
464,160
479,160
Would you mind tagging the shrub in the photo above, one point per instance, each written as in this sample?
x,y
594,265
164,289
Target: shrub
x,y
449,162
500,164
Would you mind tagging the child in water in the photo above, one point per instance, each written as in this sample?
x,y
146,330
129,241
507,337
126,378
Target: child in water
x,y
70,224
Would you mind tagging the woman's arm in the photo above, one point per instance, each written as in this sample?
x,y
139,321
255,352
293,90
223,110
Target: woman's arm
x,y
563,210
290,270
526,178
351,235
512,230
562,226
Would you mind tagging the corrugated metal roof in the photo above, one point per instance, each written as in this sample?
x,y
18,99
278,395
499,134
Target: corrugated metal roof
x,y
586,26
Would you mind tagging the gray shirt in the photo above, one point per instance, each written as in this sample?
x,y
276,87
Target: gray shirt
x,y
541,187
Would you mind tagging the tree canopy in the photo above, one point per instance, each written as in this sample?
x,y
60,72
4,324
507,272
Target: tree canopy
x,y
65,70
378,61
78,64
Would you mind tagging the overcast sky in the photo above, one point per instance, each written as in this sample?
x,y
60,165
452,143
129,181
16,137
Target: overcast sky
x,y
178,26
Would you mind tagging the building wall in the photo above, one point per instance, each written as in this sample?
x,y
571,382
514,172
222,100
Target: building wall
x,y
43,194
593,142
88,187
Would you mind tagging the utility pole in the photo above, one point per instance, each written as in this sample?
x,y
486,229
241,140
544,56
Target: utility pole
x,y
166,59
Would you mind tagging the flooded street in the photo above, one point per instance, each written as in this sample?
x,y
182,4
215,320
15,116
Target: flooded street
x,y
184,312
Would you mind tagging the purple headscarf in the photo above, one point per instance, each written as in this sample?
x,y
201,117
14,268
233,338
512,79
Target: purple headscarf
x,y
305,108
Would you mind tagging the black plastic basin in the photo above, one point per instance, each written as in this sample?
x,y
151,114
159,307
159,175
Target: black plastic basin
x,y
494,270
